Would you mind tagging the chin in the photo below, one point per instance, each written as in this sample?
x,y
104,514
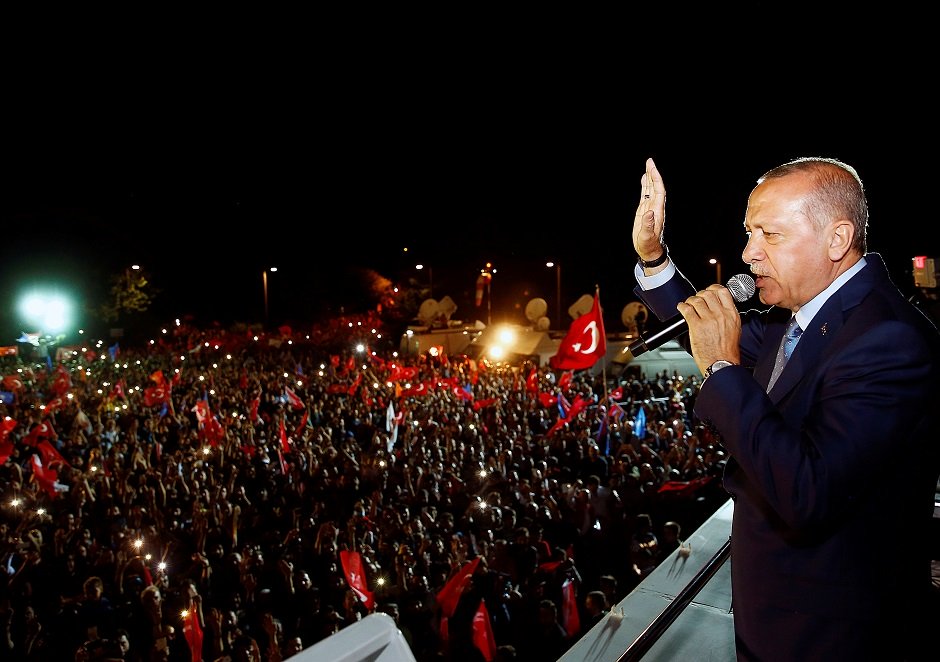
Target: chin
x,y
765,299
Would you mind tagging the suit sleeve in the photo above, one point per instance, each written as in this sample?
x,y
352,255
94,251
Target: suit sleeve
x,y
820,448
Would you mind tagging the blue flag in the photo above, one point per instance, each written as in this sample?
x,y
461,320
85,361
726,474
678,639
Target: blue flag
x,y
639,423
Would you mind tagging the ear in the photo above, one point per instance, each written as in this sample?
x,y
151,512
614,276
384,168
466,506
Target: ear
x,y
841,234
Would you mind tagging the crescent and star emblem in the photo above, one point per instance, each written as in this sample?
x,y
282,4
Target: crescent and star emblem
x,y
592,327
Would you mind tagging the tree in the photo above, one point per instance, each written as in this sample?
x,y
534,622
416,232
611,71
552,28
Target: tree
x,y
130,292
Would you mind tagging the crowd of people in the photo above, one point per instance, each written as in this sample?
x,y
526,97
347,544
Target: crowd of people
x,y
203,498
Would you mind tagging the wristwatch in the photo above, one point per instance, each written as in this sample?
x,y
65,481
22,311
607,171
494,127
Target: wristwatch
x,y
715,367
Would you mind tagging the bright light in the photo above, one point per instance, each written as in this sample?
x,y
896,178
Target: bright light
x,y
48,312
506,335
497,352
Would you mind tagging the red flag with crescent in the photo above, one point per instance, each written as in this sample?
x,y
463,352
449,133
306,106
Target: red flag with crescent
x,y
355,577
585,342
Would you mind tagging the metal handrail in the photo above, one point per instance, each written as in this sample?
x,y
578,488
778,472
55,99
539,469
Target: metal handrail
x,y
661,623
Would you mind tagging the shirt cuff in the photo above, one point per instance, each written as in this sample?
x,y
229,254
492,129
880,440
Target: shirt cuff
x,y
650,282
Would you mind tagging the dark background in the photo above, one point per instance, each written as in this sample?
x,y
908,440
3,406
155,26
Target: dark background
x,y
207,177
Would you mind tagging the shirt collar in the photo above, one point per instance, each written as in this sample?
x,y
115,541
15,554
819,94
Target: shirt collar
x,y
808,311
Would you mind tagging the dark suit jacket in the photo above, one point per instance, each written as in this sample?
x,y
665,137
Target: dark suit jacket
x,y
833,473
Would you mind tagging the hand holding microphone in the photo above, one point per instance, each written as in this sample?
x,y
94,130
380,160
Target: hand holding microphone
x,y
741,288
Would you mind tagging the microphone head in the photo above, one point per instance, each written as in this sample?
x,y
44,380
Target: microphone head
x,y
742,287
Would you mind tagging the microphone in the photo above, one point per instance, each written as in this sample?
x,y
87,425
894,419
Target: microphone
x,y
742,288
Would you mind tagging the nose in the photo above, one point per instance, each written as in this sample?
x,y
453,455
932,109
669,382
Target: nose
x,y
751,252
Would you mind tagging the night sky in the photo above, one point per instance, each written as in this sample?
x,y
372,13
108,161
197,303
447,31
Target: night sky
x,y
207,189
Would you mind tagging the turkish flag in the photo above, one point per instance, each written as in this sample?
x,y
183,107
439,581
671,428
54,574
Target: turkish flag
x,y
585,342
39,432
302,425
12,383
483,637
285,445
62,382
547,399
201,408
50,455
532,381
155,395
480,404
576,408
55,404
46,479
352,567
570,618
282,461
448,596
6,450
6,426
192,630
293,398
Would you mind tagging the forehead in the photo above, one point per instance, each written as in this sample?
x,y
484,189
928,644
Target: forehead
x,y
777,202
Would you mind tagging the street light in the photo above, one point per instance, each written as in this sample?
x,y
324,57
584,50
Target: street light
x,y
557,291
419,267
717,269
264,279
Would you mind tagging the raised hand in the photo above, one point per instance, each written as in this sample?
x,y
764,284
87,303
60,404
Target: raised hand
x,y
650,214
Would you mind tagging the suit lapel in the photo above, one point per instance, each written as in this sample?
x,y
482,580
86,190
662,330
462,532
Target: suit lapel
x,y
824,328
821,332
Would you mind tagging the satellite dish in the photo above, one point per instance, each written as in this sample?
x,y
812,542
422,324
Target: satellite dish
x,y
581,307
542,323
633,314
535,309
428,311
446,307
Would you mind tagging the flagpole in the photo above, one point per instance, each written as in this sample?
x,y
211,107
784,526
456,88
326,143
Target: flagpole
x,y
604,376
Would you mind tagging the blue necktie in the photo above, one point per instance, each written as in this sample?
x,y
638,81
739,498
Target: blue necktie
x,y
790,339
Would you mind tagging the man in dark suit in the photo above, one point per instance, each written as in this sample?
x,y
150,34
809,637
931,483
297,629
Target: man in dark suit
x,y
844,442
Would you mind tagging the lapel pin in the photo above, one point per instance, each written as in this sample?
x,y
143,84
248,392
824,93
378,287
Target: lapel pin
x,y
824,328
